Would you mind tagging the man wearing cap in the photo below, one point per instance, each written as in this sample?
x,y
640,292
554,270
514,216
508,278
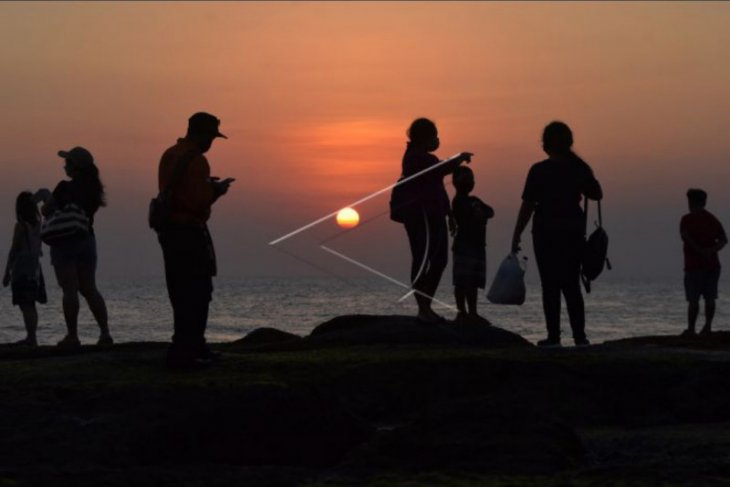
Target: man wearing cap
x,y
186,244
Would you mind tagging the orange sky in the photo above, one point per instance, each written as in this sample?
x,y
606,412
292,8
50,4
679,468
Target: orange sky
x,y
316,98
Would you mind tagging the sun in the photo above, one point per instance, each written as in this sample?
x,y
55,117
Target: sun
x,y
348,218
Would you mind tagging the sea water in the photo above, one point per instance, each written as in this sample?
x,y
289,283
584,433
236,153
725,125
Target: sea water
x,y
139,309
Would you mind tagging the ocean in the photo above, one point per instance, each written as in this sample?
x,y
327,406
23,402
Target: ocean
x,y
139,309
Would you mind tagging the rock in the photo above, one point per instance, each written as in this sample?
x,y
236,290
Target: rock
x,y
368,330
265,338
718,340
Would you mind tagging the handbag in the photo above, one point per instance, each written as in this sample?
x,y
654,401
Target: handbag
x,y
595,251
65,223
160,208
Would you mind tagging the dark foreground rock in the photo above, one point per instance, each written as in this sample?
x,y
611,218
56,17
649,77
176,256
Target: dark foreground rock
x,y
389,413
477,435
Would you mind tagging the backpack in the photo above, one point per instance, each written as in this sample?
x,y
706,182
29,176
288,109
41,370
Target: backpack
x,y
402,201
595,250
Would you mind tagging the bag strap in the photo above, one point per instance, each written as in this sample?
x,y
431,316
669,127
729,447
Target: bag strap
x,y
585,212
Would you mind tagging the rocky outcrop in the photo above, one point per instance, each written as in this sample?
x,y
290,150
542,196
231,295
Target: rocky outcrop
x,y
370,330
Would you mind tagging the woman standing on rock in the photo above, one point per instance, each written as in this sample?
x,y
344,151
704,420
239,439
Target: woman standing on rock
x,y
422,205
553,192
74,257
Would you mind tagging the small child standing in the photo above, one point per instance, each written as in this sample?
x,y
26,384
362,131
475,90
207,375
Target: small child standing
x,y
470,240
703,237
23,268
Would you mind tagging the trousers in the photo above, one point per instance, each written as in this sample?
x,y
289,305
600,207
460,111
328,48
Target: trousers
x,y
558,255
189,270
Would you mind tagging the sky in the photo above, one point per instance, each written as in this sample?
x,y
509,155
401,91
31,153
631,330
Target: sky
x,y
316,97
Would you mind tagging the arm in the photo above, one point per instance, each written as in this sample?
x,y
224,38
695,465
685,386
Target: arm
x,y
592,188
455,162
488,210
720,242
53,200
523,218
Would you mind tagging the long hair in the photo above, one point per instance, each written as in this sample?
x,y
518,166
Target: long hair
x,y
26,210
89,178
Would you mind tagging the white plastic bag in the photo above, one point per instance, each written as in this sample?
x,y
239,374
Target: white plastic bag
x,y
508,286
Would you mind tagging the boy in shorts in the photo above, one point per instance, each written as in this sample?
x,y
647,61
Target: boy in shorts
x,y
470,254
703,236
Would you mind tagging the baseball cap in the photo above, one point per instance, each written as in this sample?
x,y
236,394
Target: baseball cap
x,y
204,124
77,157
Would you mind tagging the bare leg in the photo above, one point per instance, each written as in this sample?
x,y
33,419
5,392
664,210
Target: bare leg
x,y
693,309
97,305
67,278
30,317
471,300
460,296
709,315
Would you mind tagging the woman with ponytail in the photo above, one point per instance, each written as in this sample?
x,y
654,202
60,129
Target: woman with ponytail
x,y
553,192
74,258
425,220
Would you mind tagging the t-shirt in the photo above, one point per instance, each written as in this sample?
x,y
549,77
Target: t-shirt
x,y
471,215
192,195
705,230
556,186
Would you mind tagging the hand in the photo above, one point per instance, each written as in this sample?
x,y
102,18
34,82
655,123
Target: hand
x,y
6,280
516,245
221,187
466,157
452,225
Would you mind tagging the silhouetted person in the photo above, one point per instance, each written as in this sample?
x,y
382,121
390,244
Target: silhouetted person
x,y
74,259
553,192
426,221
23,269
470,240
186,243
703,236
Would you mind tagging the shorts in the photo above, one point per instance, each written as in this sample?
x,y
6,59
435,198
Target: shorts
x,y
78,252
470,268
701,283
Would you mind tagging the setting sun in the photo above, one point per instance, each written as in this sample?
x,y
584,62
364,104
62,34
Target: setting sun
x,y
348,218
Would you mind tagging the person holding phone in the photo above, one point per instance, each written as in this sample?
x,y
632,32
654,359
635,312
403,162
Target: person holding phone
x,y
186,243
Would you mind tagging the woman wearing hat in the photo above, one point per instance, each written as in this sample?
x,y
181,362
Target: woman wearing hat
x,y
74,258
